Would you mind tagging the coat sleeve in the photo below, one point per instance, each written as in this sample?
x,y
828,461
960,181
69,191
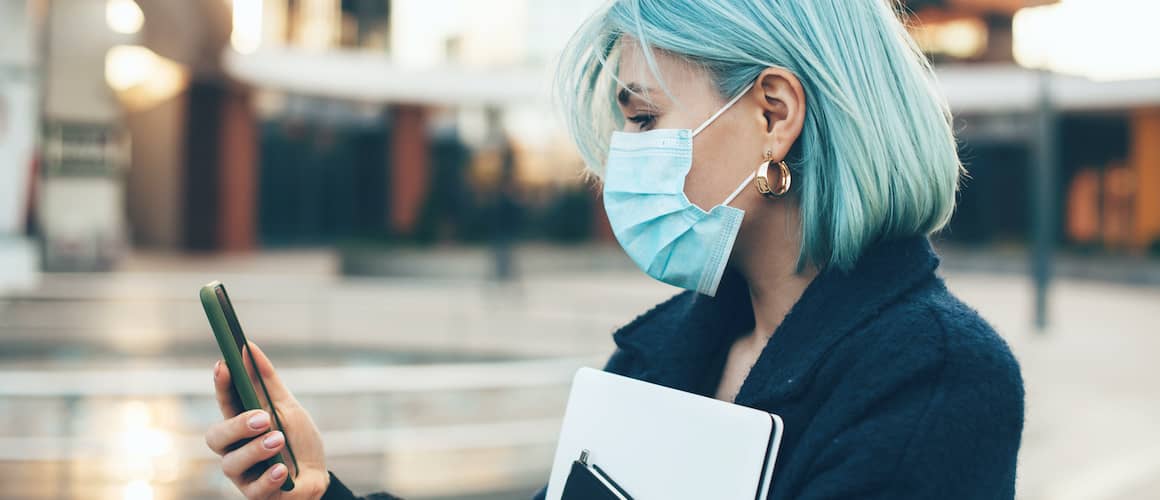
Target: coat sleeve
x,y
945,426
338,491
620,362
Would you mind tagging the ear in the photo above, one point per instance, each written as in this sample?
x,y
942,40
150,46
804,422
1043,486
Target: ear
x,y
782,102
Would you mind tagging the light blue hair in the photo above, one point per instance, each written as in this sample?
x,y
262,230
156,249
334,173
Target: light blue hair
x,y
876,158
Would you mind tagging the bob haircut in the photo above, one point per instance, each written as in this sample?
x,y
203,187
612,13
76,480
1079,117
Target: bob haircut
x,y
876,158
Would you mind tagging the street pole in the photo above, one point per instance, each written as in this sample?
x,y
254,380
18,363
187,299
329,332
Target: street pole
x,y
1043,182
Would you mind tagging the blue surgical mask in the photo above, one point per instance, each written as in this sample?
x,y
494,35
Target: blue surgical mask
x,y
665,234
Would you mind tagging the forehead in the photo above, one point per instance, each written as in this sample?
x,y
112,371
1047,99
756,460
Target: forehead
x,y
677,73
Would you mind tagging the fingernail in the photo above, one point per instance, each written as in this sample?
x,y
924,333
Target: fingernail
x,y
279,472
259,421
217,365
273,440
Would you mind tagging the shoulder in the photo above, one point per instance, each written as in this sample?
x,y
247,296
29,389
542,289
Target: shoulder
x,y
933,323
930,351
972,351
932,378
931,335
980,371
974,403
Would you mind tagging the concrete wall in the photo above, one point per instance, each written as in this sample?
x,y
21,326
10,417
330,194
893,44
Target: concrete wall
x,y
16,39
18,113
153,181
78,39
18,126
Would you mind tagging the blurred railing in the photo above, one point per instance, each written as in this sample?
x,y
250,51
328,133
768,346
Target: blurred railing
x,y
373,417
435,390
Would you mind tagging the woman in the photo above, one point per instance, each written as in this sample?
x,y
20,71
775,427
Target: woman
x,y
811,285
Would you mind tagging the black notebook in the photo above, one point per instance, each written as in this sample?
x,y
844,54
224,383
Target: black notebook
x,y
587,481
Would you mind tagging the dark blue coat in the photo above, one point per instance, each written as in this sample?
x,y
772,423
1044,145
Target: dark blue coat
x,y
889,386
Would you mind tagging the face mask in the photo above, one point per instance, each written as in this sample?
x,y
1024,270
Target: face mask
x,y
666,235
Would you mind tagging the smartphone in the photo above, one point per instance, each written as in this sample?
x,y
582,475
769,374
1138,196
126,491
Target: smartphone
x,y
232,343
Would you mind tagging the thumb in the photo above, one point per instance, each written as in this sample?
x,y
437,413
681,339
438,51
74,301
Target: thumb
x,y
268,376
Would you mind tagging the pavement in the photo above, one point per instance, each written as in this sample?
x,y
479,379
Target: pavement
x,y
1092,377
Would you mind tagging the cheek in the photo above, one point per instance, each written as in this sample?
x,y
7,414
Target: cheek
x,y
700,184
722,153
716,172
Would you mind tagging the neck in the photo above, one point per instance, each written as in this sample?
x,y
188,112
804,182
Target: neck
x,y
769,264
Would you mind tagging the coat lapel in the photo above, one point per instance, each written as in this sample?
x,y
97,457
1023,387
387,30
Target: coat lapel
x,y
675,342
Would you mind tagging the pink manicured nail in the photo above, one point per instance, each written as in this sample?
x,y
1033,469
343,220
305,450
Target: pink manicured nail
x,y
278,472
273,440
259,421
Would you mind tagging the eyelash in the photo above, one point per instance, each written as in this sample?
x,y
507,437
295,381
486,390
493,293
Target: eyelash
x,y
642,121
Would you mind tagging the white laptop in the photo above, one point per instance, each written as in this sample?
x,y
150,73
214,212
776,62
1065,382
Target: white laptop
x,y
658,443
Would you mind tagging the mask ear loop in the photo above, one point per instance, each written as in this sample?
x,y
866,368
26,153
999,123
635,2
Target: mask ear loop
x,y
723,109
710,122
740,188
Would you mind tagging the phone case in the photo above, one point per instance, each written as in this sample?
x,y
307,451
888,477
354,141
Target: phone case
x,y
224,323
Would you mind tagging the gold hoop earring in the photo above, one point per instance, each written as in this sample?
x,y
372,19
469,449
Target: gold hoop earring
x,y
776,189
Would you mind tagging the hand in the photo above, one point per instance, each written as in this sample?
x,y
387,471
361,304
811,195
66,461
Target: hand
x,y
242,461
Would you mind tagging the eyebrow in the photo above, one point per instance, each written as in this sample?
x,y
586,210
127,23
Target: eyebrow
x,y
626,93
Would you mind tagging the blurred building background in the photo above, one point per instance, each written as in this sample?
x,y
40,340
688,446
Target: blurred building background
x,y
360,171
235,126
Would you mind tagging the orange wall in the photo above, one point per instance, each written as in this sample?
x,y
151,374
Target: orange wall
x,y
1146,162
238,183
409,166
